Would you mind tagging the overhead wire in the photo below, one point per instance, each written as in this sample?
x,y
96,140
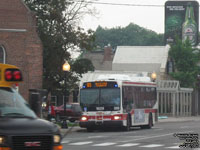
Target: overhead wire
x,y
117,4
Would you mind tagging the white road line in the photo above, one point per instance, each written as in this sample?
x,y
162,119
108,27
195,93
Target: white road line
x,y
91,137
128,144
184,127
104,144
151,137
81,143
63,142
158,129
173,147
152,145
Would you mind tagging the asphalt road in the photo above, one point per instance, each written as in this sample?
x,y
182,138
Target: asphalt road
x,y
160,137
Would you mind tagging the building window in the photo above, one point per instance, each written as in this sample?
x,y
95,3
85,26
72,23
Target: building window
x,y
170,66
2,55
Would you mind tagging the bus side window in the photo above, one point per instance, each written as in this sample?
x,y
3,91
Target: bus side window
x,y
128,99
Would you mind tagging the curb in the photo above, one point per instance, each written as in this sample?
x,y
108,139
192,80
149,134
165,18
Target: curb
x,y
64,132
179,119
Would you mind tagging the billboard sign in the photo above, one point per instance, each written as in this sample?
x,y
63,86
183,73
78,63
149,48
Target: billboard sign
x,y
182,20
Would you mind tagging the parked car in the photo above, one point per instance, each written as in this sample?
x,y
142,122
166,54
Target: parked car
x,y
73,112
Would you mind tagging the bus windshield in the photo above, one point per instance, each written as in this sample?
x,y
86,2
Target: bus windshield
x,y
13,105
107,98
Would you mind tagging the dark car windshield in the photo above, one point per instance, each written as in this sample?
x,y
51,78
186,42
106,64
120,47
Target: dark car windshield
x,y
101,97
12,104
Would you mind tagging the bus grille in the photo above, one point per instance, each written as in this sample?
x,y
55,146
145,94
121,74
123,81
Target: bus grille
x,y
32,142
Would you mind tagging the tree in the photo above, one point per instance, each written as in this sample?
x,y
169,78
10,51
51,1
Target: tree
x,y
83,65
131,35
57,22
185,59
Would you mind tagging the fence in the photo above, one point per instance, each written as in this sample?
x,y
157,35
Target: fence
x,y
173,100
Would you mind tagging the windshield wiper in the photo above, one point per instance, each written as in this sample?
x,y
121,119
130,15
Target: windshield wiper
x,y
16,115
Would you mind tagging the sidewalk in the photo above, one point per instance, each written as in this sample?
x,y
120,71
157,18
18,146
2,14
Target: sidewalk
x,y
179,119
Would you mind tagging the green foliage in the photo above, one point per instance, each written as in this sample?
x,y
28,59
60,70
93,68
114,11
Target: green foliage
x,y
81,66
185,58
60,35
131,35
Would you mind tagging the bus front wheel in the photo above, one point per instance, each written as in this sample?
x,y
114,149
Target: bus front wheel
x,y
90,129
128,125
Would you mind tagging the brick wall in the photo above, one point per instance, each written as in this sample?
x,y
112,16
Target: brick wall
x,y
107,53
102,60
23,47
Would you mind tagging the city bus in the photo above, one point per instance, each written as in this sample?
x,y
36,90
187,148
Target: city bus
x,y
20,128
115,102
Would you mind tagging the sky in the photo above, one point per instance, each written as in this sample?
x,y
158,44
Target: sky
x,y
110,16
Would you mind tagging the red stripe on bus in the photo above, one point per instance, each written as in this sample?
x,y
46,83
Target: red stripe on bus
x,y
139,83
122,117
145,111
150,110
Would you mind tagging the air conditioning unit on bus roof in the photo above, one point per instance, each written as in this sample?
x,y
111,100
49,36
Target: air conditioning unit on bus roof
x,y
123,77
115,75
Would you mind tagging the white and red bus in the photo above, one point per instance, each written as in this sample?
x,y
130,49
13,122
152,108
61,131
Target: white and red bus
x,y
118,103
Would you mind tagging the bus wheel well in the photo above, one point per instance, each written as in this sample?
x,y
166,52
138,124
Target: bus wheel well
x,y
130,120
150,122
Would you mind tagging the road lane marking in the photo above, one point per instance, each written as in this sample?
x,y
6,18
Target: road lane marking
x,y
173,147
184,127
128,144
81,143
151,137
104,144
152,145
158,129
64,142
91,137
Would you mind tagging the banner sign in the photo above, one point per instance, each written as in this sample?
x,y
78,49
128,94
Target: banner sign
x,y
182,20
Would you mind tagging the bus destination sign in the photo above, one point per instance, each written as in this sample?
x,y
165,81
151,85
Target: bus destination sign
x,y
100,84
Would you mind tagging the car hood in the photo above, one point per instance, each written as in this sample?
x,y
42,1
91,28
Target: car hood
x,y
27,126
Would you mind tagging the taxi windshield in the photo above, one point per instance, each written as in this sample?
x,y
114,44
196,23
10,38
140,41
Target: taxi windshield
x,y
13,105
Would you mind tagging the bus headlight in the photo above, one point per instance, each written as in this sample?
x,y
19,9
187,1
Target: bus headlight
x,y
2,140
56,138
83,118
117,117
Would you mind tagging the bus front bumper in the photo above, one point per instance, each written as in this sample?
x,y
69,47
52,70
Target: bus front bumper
x,y
96,124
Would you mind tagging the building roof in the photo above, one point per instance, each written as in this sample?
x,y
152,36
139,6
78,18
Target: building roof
x,y
140,58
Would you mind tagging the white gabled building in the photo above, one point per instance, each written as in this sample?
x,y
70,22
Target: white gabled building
x,y
141,59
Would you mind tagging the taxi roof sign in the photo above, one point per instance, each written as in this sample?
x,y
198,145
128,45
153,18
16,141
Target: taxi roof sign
x,y
9,75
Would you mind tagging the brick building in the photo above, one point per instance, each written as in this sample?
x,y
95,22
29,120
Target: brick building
x,y
101,59
20,44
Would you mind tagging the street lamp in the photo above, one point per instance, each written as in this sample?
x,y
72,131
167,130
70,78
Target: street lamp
x,y
65,68
153,76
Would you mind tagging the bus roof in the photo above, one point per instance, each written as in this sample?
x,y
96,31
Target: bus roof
x,y
127,77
